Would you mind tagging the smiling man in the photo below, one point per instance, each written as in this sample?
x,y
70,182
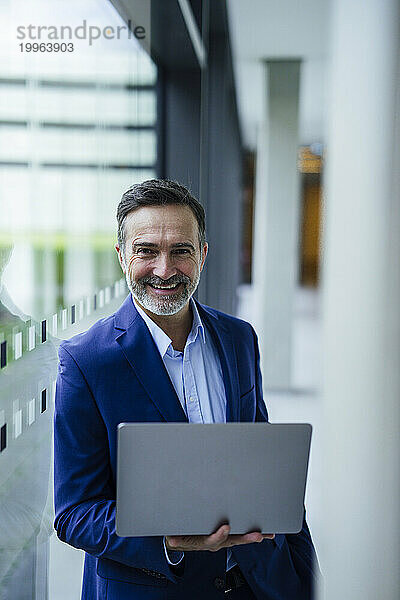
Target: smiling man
x,y
162,357
162,253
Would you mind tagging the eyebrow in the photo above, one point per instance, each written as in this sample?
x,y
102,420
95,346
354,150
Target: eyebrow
x,y
183,245
152,245
146,244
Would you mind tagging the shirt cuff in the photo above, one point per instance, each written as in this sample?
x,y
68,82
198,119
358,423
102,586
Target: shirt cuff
x,y
174,557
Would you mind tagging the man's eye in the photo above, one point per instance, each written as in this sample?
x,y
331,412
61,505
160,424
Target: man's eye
x,y
144,251
181,251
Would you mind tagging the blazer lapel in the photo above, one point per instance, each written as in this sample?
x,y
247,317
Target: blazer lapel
x,y
142,354
227,355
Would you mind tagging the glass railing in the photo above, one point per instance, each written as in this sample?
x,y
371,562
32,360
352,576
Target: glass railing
x,y
76,130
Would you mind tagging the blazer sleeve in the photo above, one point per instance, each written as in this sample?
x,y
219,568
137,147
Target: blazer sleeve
x,y
295,564
84,493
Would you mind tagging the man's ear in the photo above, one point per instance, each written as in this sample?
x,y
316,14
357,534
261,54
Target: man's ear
x,y
204,253
120,258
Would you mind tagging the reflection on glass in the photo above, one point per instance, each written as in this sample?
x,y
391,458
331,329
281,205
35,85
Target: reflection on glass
x,y
75,131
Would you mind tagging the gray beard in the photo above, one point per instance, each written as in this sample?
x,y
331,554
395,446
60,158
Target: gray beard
x,y
164,305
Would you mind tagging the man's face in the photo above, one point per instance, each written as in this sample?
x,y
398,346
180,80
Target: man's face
x,y
162,261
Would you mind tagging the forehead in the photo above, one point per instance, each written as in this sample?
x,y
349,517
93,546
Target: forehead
x,y
172,220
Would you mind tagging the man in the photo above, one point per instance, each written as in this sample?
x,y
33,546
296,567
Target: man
x,y
162,357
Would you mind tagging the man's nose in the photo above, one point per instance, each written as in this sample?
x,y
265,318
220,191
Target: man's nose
x,y
164,267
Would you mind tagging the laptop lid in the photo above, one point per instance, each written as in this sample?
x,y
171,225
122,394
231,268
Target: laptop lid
x,y
189,478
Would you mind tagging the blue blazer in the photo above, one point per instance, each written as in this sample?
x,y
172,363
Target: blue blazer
x,y
113,373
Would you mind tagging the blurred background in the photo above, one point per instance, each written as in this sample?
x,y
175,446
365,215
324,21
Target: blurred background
x,y
282,117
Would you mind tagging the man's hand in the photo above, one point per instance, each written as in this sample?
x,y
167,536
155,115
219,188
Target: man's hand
x,y
214,542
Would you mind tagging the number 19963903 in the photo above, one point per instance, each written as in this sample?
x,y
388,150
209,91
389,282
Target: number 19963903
x,y
46,47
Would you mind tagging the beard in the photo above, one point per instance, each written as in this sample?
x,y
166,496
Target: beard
x,y
168,304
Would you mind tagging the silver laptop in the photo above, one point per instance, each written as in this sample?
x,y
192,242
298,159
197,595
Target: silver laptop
x,y
187,479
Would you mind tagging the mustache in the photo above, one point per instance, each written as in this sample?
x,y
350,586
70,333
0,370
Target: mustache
x,y
174,280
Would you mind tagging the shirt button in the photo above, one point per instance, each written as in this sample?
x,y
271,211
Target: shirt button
x,y
192,398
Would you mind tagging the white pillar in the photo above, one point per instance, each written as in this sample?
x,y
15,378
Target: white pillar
x,y
360,553
276,222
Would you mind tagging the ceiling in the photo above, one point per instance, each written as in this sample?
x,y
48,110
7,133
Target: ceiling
x,y
286,29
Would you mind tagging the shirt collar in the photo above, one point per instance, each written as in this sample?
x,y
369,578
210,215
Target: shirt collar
x,y
161,339
197,325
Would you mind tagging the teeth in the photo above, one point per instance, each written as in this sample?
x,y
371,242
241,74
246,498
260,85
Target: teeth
x,y
165,287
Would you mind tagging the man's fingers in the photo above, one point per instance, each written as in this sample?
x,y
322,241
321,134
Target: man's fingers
x,y
218,537
248,538
199,542
215,541
171,542
183,542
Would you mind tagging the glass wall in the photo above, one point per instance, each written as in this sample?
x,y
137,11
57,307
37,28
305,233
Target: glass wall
x,y
76,129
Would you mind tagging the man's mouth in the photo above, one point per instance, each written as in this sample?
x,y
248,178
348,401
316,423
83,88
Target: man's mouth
x,y
163,288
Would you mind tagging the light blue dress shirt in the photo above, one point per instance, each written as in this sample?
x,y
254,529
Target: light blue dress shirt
x,y
196,375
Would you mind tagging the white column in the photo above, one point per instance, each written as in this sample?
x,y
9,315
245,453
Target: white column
x,y
360,554
276,222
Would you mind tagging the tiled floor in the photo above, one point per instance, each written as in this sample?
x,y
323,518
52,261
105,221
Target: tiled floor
x,y
301,404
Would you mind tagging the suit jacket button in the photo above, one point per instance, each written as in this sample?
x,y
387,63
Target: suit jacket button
x,y
219,583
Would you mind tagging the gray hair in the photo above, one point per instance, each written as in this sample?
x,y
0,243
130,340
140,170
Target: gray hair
x,y
158,192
